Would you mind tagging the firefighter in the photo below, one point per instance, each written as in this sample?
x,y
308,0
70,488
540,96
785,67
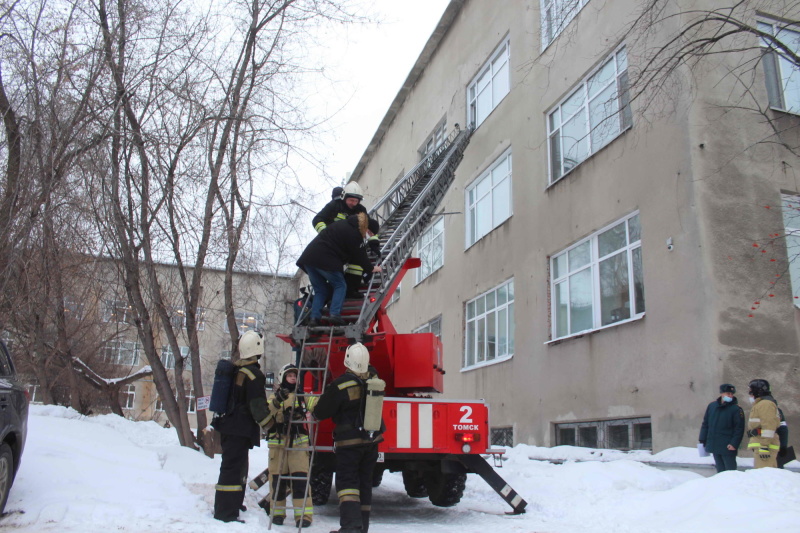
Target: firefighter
x,y
723,428
356,448
763,425
241,429
284,405
324,258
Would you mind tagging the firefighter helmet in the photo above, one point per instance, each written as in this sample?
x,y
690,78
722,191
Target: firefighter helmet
x,y
251,344
357,358
759,388
289,367
353,190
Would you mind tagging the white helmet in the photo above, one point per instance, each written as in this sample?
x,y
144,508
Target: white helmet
x,y
288,367
353,190
357,358
251,344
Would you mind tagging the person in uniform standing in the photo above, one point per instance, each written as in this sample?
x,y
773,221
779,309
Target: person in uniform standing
x,y
763,425
356,448
241,429
723,428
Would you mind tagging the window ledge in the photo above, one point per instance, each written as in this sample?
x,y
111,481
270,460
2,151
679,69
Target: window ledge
x,y
487,363
590,331
784,111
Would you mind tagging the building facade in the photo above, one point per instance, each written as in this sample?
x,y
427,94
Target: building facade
x,y
613,250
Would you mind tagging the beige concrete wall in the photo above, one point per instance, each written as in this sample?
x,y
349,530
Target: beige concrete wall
x,y
696,333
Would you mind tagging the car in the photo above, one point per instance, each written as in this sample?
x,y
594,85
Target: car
x,y
14,419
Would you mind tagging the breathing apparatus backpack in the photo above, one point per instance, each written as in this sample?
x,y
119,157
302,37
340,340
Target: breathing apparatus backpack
x,y
222,391
373,405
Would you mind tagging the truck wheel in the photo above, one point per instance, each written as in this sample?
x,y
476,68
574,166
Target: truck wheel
x,y
414,484
377,477
321,481
445,489
6,474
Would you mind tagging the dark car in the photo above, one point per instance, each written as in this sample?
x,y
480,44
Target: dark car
x,y
14,419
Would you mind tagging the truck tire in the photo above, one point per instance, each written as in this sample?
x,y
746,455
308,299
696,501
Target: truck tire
x,y
445,489
377,477
6,474
321,481
414,484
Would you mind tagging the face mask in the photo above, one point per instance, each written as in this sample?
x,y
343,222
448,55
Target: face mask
x,y
727,399
752,400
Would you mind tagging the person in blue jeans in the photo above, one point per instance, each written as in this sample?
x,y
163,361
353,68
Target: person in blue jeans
x,y
324,259
723,428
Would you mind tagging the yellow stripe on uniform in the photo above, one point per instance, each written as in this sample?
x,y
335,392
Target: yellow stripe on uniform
x,y
347,384
349,495
354,270
229,488
320,226
248,373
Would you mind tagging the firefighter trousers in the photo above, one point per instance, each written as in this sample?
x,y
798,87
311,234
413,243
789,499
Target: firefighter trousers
x,y
354,466
229,495
294,463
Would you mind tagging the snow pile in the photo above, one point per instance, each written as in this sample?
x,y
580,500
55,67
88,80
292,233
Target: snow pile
x,y
99,474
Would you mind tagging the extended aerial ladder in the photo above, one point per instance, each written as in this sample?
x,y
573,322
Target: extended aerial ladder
x,y
433,442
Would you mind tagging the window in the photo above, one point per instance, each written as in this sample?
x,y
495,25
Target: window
x,y
781,70
168,358
609,434
490,86
73,309
490,327
556,14
502,437
191,403
127,396
489,199
159,405
430,249
434,326
596,112
178,318
117,311
35,393
395,295
225,354
791,223
434,141
246,321
598,281
121,353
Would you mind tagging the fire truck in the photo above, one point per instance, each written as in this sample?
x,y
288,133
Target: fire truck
x,y
434,442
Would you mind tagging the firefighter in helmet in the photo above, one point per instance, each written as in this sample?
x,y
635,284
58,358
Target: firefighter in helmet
x,y
763,425
241,429
282,438
354,401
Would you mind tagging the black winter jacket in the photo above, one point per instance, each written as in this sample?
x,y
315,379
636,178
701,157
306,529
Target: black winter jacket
x,y
343,400
723,424
339,244
250,411
783,429
334,211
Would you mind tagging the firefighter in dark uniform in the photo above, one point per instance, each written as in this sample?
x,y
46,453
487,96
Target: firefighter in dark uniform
x,y
282,438
339,208
354,401
241,430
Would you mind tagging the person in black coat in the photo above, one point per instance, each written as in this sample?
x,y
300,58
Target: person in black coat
x,y
324,259
723,428
241,429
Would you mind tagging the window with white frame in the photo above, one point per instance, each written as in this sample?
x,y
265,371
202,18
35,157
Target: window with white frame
x,y
490,86
127,396
117,311
598,281
434,326
73,309
595,113
489,334
191,403
178,318
159,405
556,14
780,68
119,352
434,141
489,199
246,321
168,357
791,224
430,249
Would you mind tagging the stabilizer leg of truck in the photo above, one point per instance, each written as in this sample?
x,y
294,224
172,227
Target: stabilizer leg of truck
x,y
478,465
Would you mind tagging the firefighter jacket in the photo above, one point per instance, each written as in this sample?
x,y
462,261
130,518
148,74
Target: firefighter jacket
x,y
334,211
764,416
723,424
783,430
341,243
283,413
250,411
344,401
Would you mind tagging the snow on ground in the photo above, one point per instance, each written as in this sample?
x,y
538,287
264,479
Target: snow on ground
x,y
100,474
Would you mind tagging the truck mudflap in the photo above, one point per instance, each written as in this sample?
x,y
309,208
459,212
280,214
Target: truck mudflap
x,y
478,465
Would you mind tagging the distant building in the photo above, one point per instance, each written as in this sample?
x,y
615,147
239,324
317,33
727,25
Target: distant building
x,y
595,271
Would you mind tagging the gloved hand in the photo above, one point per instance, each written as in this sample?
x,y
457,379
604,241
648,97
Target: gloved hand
x,y
754,432
763,453
782,452
282,394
